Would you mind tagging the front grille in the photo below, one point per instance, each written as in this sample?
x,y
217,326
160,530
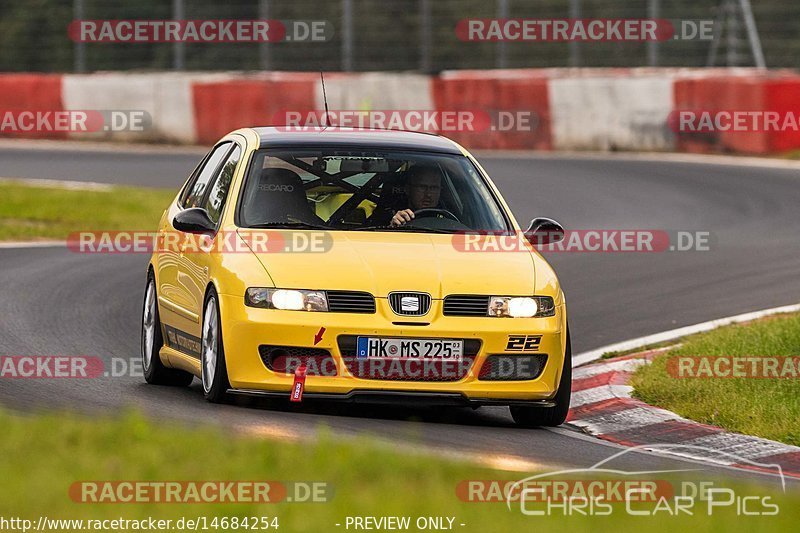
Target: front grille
x,y
512,367
287,359
466,305
410,303
350,302
407,369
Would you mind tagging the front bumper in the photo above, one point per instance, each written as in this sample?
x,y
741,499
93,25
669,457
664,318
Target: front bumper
x,y
244,329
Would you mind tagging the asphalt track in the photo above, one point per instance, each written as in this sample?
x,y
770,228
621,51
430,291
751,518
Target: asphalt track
x,y
58,302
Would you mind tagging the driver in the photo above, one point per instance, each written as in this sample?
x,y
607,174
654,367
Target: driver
x,y
423,187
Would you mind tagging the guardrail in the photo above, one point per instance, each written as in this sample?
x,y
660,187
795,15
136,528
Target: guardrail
x,y
749,111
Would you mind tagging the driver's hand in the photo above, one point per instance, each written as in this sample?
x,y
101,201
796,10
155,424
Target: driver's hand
x,y
401,217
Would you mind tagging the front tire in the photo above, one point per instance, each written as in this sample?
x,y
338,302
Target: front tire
x,y
155,372
530,416
213,368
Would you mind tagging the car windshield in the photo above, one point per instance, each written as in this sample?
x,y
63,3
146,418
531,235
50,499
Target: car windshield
x,y
342,189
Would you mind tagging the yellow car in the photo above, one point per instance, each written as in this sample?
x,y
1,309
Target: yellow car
x,y
359,265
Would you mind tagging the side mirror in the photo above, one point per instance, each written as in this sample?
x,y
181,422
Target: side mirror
x,y
544,231
193,220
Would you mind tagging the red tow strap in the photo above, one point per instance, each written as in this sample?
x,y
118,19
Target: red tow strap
x,y
299,384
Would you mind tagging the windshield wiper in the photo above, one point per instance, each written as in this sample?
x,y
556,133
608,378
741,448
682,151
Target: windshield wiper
x,y
279,225
406,229
306,225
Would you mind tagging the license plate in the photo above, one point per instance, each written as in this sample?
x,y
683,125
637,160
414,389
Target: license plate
x,y
421,349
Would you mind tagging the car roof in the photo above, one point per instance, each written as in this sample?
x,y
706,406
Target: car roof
x,y
284,137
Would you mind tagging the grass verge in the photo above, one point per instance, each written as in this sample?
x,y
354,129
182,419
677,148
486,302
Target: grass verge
x,y
42,455
768,408
30,212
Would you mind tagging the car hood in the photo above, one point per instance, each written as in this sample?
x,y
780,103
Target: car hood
x,y
382,262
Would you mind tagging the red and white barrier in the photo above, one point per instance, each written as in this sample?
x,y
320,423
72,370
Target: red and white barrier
x,y
569,109
504,93
165,97
619,111
375,91
225,105
20,93
739,91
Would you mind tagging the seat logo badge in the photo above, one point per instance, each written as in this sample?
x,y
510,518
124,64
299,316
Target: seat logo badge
x,y
409,304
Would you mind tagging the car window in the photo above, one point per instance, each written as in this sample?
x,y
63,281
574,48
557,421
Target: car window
x,y
196,190
354,190
219,191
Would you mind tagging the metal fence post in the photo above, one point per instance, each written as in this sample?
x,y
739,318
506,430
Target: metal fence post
x,y
653,9
574,46
501,59
264,49
347,35
752,34
732,42
79,48
178,48
425,37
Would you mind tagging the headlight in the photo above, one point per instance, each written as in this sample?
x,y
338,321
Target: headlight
x,y
286,299
521,307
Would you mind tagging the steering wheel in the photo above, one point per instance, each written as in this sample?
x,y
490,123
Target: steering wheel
x,y
433,211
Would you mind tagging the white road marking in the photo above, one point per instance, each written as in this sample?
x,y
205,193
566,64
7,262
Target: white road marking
x,y
599,394
744,446
626,365
656,157
58,184
635,417
576,434
31,244
593,355
100,146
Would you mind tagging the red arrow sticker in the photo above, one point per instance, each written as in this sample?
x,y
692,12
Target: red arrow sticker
x,y
318,336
